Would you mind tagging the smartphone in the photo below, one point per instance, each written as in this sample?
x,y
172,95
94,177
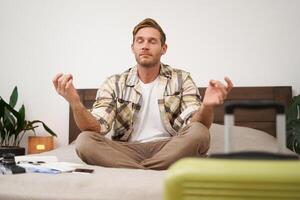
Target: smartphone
x,y
82,170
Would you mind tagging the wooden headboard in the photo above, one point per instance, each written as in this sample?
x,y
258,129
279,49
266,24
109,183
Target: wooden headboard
x,y
260,119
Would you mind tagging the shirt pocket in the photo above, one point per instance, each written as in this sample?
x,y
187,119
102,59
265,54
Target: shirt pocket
x,y
124,111
172,104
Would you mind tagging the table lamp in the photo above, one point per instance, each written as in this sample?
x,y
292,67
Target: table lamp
x,y
39,144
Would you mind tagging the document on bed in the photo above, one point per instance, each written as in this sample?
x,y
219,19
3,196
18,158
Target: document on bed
x,y
45,164
35,158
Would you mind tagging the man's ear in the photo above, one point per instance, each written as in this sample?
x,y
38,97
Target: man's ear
x,y
132,48
164,49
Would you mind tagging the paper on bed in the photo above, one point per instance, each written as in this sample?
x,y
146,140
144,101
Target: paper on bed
x,y
33,158
45,164
62,166
51,167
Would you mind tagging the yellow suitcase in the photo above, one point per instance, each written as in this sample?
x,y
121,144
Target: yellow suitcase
x,y
241,175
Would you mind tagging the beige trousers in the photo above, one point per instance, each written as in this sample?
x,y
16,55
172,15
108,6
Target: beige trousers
x,y
96,149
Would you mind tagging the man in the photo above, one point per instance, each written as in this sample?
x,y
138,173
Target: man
x,y
156,110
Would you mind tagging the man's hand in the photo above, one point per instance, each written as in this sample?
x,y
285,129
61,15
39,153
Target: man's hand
x,y
63,84
216,92
85,121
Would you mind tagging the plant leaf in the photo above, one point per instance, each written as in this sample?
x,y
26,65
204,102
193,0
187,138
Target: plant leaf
x,y
10,114
22,116
297,143
22,112
2,132
9,124
45,127
29,126
13,97
49,130
1,108
1,126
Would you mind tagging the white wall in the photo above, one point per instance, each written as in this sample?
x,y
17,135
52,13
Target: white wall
x,y
255,42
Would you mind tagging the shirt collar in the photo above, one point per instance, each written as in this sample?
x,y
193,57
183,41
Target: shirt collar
x,y
133,78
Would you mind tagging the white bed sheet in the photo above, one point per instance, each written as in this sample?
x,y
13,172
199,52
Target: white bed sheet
x,y
112,183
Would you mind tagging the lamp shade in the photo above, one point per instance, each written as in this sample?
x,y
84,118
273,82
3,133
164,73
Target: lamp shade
x,y
39,144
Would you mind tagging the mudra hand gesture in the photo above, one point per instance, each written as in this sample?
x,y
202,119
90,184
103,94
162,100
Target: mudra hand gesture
x,y
216,92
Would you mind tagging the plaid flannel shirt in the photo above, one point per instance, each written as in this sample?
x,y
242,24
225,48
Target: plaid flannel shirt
x,y
119,99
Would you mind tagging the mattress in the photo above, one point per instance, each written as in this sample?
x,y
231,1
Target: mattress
x,y
114,183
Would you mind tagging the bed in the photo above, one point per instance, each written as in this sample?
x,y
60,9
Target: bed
x,y
257,133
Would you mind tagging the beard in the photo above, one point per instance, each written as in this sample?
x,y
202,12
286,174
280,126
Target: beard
x,y
149,62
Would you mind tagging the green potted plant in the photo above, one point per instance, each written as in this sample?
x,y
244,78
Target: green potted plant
x,y
293,125
13,125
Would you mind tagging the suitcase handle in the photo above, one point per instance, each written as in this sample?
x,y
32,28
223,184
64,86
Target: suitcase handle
x,y
255,155
280,120
231,106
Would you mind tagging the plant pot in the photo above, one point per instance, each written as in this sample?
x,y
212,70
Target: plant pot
x,y
16,150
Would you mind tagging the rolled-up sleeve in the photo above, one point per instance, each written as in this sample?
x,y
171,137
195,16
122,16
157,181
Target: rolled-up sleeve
x,y
104,108
190,102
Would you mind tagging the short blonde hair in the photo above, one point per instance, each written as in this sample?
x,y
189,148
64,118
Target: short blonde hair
x,y
148,22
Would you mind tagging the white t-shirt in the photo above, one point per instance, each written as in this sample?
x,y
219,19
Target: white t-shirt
x,y
148,125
